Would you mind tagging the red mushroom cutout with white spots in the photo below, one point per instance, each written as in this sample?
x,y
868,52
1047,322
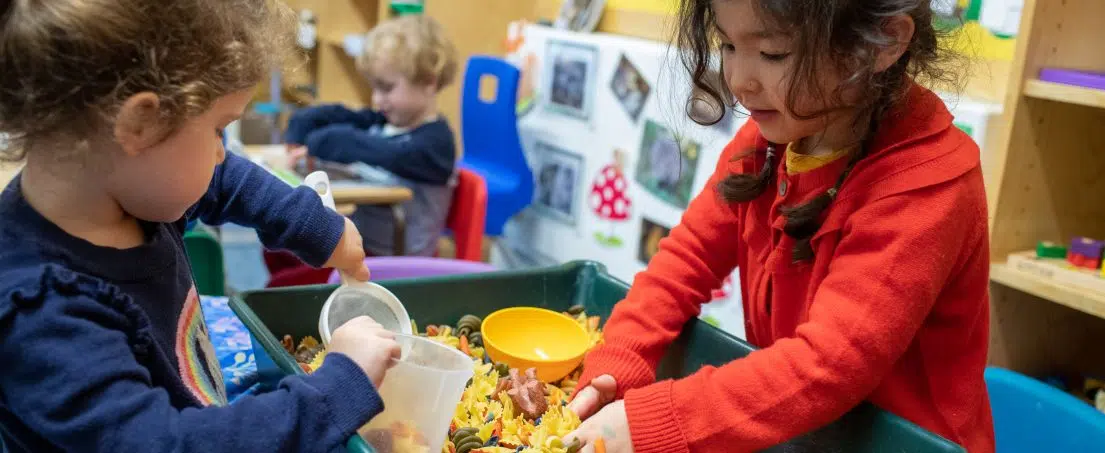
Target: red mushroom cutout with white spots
x,y
609,198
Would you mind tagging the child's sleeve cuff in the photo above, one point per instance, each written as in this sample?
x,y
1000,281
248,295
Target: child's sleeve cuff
x,y
350,395
652,423
628,368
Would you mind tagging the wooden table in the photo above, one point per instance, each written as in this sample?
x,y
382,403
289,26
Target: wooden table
x,y
370,194
347,196
346,209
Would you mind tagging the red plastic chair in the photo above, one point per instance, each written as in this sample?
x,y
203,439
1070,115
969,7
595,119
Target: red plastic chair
x,y
467,215
466,223
286,269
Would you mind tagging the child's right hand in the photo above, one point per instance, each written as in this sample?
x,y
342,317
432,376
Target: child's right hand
x,y
296,153
368,344
590,399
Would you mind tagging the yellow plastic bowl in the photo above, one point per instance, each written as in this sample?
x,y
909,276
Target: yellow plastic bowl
x,y
528,337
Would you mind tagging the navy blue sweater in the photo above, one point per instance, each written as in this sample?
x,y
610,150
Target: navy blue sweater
x,y
426,154
105,349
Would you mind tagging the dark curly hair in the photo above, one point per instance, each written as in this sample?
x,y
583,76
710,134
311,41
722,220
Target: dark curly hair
x,y
829,35
67,65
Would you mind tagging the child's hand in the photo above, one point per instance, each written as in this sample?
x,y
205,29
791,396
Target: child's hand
x,y
368,344
593,397
606,431
296,153
348,256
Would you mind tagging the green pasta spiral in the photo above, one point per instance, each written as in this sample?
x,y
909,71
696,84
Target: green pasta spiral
x,y
466,440
469,327
468,324
475,339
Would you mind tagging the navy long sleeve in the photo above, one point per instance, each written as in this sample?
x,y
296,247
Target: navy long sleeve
x,y
425,155
285,217
105,349
74,376
309,119
423,158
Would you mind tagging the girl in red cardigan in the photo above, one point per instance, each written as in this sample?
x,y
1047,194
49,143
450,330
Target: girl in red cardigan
x,y
856,214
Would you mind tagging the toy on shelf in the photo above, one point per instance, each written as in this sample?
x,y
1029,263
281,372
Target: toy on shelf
x,y
405,7
1058,265
1076,78
1048,249
1085,253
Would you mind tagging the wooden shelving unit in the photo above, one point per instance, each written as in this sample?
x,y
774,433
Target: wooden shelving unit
x,y
1065,93
330,70
1087,301
1046,184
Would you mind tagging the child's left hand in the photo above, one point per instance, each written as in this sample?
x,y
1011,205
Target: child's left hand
x,y
610,424
348,256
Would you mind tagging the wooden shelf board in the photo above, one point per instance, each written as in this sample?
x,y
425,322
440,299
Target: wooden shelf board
x,y
1070,94
1091,302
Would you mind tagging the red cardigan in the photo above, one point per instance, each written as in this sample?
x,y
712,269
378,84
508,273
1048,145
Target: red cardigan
x,y
894,308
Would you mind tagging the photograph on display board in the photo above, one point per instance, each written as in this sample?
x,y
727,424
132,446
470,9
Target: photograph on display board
x,y
558,173
666,165
580,15
571,78
651,234
630,88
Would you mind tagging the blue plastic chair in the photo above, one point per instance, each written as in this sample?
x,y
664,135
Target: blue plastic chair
x,y
492,148
1032,416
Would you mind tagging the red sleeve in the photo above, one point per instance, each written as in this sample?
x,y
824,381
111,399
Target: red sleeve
x,y
691,262
888,269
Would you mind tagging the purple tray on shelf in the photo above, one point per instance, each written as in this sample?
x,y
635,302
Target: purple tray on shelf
x,y
1077,78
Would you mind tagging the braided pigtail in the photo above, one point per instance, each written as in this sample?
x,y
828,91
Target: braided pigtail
x,y
804,220
743,187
